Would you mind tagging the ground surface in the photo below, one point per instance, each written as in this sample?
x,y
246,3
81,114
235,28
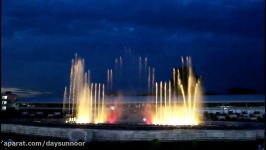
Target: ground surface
x,y
152,145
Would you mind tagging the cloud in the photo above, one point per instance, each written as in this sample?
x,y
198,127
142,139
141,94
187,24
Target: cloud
x,y
40,37
80,18
24,93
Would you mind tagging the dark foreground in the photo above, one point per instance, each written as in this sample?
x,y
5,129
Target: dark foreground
x,y
59,122
152,145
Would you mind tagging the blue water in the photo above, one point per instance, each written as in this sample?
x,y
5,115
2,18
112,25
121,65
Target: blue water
x,y
209,98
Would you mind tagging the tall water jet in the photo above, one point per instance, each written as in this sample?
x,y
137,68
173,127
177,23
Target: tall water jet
x,y
86,105
149,80
131,73
182,110
156,101
109,80
120,67
140,67
145,63
65,101
120,62
153,79
116,65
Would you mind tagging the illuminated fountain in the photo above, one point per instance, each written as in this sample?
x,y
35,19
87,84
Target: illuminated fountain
x,y
182,110
85,100
131,74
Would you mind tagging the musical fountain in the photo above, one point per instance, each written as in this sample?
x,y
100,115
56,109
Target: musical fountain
x,y
173,114
85,101
168,108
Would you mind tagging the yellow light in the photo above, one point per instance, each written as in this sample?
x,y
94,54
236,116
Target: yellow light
x,y
187,112
87,98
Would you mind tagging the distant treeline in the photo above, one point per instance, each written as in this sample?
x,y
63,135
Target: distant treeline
x,y
234,91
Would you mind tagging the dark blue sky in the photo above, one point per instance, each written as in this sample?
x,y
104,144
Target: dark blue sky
x,y
39,37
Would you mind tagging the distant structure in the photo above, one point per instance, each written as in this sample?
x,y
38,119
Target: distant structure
x,y
8,100
242,91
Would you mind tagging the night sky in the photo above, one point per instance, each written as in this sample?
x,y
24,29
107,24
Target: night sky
x,y
40,37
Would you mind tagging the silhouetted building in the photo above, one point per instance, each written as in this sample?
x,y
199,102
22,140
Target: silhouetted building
x,y
8,100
